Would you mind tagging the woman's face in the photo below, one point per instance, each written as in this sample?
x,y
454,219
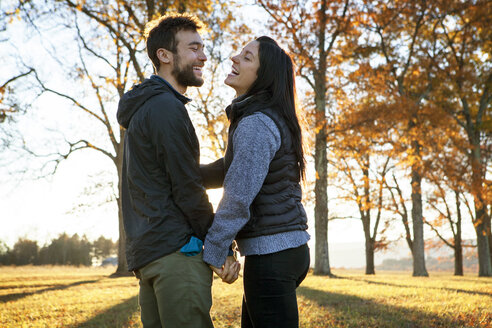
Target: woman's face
x,y
244,68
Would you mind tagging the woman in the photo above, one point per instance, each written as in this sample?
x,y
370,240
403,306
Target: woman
x,y
261,207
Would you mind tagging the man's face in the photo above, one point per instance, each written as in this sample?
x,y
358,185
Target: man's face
x,y
188,59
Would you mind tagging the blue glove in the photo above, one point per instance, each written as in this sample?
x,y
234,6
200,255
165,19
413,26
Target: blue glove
x,y
193,247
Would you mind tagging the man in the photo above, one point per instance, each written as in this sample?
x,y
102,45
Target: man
x,y
166,212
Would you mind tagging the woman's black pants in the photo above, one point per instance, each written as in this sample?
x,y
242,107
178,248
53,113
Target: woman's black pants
x,y
270,283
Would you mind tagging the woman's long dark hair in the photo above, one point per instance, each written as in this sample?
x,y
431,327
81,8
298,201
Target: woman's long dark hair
x,y
276,76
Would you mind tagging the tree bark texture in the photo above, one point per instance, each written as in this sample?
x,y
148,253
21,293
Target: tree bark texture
x,y
370,256
418,253
458,247
322,261
122,268
481,218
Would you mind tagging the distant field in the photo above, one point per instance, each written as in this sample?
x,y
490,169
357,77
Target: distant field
x,y
87,297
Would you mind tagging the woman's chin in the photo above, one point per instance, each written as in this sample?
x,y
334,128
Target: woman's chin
x,y
228,81
229,84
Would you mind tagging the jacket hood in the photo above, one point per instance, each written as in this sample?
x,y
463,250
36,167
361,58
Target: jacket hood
x,y
132,100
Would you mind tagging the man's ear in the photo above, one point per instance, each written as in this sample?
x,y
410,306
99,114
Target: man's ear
x,y
164,55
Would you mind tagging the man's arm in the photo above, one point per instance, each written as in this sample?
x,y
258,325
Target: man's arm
x,y
213,174
178,154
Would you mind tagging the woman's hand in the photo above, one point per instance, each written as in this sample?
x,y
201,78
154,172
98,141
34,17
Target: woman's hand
x,y
229,271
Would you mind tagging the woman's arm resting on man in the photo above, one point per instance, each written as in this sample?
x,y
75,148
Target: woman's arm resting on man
x,y
213,174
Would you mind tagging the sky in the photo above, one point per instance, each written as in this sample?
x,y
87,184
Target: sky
x,y
41,209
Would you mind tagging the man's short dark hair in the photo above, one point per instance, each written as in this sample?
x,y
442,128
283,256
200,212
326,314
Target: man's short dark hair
x,y
161,33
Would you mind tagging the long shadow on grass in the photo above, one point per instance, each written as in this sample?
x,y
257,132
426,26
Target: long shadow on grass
x,y
117,316
16,296
354,311
471,292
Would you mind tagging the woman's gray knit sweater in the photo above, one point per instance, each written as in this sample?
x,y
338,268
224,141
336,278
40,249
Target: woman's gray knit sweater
x,y
256,140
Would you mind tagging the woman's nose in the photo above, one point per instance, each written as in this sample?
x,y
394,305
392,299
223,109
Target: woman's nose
x,y
234,59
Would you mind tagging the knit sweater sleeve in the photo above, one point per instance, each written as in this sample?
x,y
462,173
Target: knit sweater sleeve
x,y
256,140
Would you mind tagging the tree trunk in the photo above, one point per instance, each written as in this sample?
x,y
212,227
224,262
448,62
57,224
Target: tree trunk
x,y
484,262
458,258
481,218
321,260
408,236
487,220
458,248
489,232
122,269
484,265
365,213
418,253
370,256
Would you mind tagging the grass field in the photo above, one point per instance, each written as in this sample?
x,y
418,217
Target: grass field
x,y
88,297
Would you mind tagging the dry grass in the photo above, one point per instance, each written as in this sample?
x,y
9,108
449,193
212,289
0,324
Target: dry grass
x,y
88,297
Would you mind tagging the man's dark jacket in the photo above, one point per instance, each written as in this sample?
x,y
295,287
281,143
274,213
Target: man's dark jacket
x,y
163,198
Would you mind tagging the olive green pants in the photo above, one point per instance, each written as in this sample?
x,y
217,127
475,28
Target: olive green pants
x,y
176,292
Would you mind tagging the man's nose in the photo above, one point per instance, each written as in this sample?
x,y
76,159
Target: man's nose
x,y
202,56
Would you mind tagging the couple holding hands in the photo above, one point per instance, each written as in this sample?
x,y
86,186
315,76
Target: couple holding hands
x,y
174,241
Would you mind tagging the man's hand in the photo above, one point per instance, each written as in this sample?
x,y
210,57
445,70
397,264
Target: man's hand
x,y
229,271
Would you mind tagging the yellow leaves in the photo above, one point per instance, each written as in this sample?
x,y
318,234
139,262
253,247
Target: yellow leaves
x,y
111,81
14,15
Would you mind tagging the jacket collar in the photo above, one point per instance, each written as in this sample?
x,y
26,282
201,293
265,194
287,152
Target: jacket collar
x,y
240,105
178,95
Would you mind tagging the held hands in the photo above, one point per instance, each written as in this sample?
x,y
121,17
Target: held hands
x,y
229,271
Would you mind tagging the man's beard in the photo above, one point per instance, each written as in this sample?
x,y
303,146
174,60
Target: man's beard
x,y
185,76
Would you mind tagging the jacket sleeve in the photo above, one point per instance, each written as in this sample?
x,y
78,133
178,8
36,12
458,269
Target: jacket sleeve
x,y
213,174
177,151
